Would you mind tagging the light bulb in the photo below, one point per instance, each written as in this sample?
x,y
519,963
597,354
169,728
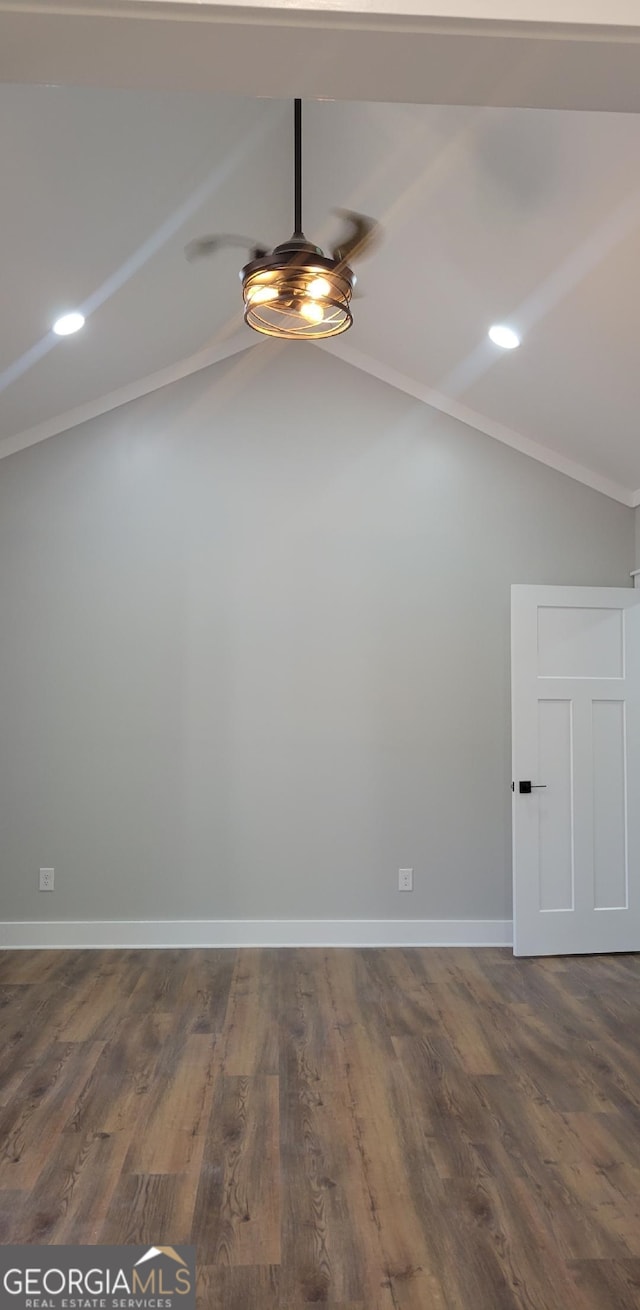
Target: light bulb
x,y
309,310
261,294
319,287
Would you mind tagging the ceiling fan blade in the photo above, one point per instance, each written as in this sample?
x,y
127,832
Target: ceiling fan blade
x,y
203,246
362,236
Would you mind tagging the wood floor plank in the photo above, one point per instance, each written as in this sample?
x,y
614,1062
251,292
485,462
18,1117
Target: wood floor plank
x,y
11,1216
238,1203
126,1077
178,1109
145,1209
206,987
459,1015
73,1192
238,1287
608,1284
325,1223
34,1120
400,1271
251,1032
159,986
28,1028
365,1129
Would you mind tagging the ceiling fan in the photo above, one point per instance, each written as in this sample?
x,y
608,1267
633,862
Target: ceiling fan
x,y
296,291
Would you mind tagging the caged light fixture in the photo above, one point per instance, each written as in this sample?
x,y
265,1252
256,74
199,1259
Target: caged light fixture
x,y
295,291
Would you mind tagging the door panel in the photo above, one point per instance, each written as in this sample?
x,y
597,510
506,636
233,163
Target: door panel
x,y
555,805
609,804
580,642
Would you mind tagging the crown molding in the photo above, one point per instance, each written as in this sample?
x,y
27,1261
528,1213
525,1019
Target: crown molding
x,y
134,391
507,436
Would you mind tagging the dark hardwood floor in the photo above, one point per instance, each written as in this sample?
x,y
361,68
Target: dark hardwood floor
x,y
364,1129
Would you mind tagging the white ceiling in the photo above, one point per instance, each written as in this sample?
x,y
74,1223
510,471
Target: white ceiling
x,y
518,215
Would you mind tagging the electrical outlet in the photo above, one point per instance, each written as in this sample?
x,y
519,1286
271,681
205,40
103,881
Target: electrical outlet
x,y
46,880
405,880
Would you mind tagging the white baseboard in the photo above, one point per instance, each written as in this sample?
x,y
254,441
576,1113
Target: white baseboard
x,y
255,932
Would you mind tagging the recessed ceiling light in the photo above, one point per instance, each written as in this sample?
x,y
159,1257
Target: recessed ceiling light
x,y
63,327
504,336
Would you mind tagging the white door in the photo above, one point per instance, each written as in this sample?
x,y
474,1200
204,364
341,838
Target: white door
x,y
575,688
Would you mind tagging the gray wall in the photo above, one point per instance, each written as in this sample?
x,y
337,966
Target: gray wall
x,y
637,514
254,649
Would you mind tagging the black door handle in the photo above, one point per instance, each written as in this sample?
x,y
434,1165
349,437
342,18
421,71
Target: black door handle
x,y
527,786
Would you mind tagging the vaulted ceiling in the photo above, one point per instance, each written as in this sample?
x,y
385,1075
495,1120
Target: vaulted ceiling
x,y
525,216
